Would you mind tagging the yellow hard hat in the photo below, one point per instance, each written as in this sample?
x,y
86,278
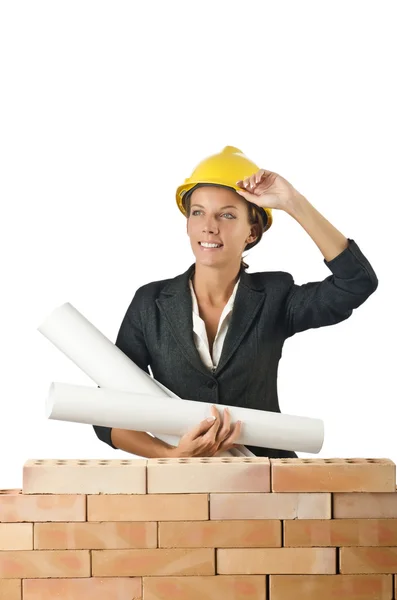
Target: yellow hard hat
x,y
222,169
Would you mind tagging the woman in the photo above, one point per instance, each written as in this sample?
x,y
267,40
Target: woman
x,y
215,333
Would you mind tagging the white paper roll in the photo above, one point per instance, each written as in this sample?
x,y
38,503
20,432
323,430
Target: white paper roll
x,y
242,450
140,412
99,358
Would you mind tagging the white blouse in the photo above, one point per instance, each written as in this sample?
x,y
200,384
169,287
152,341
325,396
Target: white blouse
x,y
200,333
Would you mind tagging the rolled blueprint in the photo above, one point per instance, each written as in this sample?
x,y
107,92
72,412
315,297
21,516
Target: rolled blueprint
x,y
140,412
100,359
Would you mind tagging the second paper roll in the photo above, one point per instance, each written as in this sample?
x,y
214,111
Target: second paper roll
x,y
140,412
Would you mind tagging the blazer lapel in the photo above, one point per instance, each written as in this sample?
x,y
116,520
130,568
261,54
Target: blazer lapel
x,y
175,304
247,303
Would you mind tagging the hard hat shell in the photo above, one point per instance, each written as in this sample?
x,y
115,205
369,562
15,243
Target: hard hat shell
x,y
222,169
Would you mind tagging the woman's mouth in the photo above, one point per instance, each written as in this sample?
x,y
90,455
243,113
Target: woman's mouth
x,y
208,247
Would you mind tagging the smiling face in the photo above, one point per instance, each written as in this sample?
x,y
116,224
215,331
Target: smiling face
x,y
219,215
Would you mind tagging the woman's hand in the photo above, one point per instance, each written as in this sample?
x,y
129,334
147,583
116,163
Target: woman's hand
x,y
268,190
209,437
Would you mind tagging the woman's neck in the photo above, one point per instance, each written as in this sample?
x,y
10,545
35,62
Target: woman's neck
x,y
213,287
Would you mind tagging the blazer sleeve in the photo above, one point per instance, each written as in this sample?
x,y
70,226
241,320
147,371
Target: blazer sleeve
x,y
322,303
130,340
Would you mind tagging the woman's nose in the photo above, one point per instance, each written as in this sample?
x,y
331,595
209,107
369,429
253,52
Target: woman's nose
x,y
210,226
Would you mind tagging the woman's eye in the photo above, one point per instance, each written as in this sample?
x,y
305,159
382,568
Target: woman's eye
x,y
198,211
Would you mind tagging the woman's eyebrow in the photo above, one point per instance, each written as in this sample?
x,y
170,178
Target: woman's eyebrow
x,y
222,207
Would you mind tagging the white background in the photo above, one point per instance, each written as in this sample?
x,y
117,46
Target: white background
x,y
106,107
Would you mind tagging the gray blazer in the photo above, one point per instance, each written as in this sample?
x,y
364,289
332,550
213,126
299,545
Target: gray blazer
x,y
157,330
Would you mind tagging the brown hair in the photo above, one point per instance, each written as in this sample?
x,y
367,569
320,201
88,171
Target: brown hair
x,y
254,216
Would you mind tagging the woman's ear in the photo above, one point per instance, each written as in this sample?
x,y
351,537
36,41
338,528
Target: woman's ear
x,y
254,233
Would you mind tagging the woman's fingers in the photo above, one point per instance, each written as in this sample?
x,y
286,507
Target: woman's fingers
x,y
201,428
233,437
225,430
217,422
259,175
236,432
209,439
246,182
215,411
204,434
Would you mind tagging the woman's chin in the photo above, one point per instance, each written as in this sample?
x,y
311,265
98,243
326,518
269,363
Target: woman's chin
x,y
209,256
200,250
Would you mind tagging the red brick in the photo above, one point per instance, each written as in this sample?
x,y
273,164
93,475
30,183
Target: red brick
x,y
92,476
330,587
44,563
173,507
365,506
220,534
16,536
270,506
115,563
368,560
230,587
16,508
212,474
263,561
10,589
333,475
341,532
108,588
90,536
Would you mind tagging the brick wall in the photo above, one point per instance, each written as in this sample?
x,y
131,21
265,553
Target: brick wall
x,y
202,528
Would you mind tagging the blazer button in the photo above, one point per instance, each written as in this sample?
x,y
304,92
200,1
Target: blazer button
x,y
211,385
